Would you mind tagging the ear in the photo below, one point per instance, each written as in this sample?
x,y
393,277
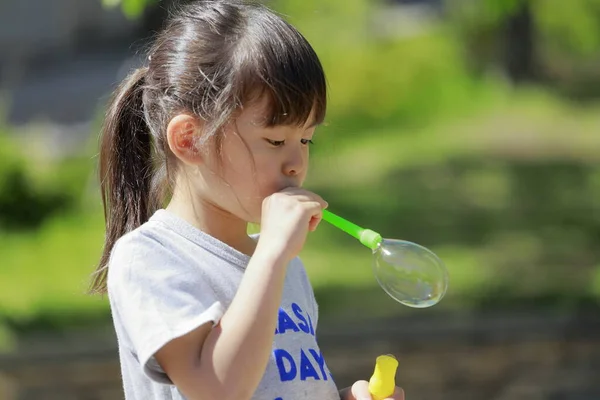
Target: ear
x,y
181,132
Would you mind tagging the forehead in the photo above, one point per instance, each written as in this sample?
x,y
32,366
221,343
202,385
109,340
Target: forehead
x,y
260,114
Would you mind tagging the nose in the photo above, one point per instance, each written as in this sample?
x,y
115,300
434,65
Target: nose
x,y
295,163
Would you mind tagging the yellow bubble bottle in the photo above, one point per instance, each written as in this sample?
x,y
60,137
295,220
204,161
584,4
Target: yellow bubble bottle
x,y
383,381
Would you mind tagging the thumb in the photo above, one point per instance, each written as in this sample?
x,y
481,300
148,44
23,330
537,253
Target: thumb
x,y
360,390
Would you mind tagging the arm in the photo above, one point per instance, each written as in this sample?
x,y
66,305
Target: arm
x,y
228,362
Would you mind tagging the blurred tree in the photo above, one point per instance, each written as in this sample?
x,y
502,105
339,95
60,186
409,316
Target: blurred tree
x,y
501,33
25,204
131,8
520,51
515,15
544,41
548,40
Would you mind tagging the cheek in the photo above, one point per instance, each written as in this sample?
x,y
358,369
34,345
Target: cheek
x,y
268,175
244,178
236,159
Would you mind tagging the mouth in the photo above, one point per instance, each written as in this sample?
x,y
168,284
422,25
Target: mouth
x,y
288,185
271,189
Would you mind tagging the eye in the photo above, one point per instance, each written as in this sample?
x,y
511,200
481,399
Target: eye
x,y
276,143
306,141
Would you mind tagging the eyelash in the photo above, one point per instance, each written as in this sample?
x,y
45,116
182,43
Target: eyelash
x,y
278,143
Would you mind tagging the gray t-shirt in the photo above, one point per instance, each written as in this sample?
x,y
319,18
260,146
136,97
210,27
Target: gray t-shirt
x,y
166,278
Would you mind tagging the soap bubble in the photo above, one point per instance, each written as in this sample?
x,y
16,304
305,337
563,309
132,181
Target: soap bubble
x,y
410,273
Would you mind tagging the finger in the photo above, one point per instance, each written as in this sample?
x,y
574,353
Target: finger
x,y
324,204
314,222
316,215
398,394
360,390
304,198
305,195
320,200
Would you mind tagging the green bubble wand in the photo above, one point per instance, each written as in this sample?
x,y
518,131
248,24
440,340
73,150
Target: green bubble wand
x,y
409,273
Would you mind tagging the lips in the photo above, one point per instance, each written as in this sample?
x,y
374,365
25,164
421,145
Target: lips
x,y
287,185
278,188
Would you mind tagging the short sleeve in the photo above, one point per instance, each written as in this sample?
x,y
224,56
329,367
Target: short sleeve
x,y
156,298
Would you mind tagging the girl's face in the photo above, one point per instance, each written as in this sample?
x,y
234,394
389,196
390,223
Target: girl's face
x,y
254,163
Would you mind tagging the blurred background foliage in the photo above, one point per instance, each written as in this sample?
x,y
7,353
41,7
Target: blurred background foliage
x,y
472,129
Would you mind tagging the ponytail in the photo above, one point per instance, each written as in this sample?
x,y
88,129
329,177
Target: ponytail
x,y
211,58
126,172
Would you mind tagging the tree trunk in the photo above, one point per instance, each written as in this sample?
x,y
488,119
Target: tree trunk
x,y
520,49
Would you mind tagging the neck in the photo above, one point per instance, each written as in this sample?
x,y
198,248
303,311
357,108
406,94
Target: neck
x,y
213,221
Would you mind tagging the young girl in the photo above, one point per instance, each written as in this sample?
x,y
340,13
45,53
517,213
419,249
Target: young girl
x,y
216,129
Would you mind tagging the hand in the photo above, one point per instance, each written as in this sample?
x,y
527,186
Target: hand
x,y
360,391
287,217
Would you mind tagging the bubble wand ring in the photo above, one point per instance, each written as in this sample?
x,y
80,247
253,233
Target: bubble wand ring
x,y
409,273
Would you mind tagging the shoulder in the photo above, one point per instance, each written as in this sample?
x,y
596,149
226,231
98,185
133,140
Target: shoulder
x,y
145,254
144,242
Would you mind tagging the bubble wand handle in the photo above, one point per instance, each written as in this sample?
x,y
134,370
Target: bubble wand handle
x,y
383,383
367,237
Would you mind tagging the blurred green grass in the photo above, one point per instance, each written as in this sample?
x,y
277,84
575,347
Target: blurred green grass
x,y
507,197
455,186
502,183
46,273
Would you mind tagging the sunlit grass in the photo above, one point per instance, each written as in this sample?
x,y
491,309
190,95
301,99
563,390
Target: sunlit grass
x,y
50,269
45,274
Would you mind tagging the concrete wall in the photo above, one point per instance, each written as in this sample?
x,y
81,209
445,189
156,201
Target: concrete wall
x,y
30,27
59,59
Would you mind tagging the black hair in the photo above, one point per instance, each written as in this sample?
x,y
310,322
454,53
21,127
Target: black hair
x,y
211,59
